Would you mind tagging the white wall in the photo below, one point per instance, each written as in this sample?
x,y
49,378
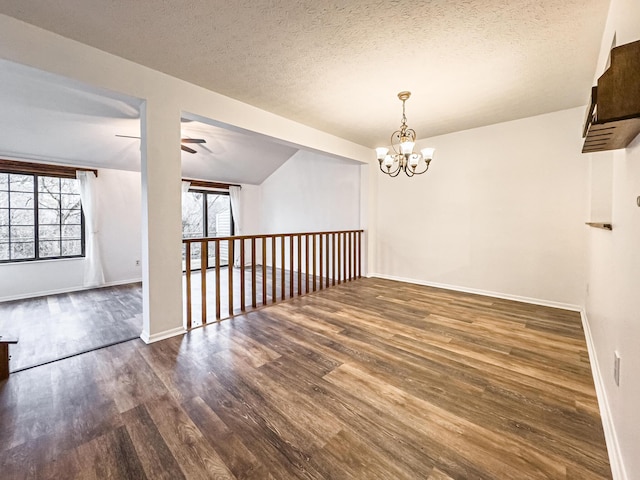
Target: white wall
x,y
118,196
310,193
502,210
613,302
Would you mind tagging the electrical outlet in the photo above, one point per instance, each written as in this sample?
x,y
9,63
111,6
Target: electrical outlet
x,y
137,263
616,368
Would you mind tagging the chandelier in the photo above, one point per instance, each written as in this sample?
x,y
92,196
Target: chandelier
x,y
402,158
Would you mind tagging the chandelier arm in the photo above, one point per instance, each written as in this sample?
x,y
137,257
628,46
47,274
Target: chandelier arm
x,y
420,173
397,135
391,173
396,172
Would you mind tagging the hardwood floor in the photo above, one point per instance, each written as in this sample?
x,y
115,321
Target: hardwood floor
x,y
56,326
372,379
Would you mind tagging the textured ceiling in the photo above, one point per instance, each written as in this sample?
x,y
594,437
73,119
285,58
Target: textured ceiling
x,y
338,65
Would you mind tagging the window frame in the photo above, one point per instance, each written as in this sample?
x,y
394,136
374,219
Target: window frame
x,y
36,171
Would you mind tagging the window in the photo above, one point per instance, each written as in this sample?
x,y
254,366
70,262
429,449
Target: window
x,y
40,217
207,214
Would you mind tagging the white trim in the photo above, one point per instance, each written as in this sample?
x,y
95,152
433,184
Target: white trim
x,y
156,337
505,296
58,291
610,436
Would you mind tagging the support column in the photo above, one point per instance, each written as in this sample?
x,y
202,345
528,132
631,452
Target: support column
x,y
161,221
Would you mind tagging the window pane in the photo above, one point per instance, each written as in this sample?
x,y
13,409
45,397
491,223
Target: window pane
x,y
4,234
21,200
48,216
21,183
71,217
22,234
4,251
4,181
72,232
22,250
48,184
192,224
48,200
49,248
71,247
70,185
4,199
4,216
219,213
22,217
70,201
49,232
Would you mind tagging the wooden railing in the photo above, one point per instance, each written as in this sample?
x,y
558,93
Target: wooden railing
x,y
268,269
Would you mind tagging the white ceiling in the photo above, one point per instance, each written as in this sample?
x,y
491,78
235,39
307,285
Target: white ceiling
x,y
50,118
338,66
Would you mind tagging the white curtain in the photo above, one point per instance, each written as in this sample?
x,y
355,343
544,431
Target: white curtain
x,y
236,211
93,273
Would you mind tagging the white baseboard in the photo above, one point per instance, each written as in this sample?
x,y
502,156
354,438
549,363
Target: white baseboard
x,y
156,337
613,447
487,293
58,291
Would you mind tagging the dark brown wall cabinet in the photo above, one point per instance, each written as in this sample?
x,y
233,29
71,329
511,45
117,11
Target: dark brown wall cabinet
x,y
613,116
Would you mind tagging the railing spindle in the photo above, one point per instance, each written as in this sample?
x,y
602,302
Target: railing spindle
x,y
282,272
216,252
359,255
333,259
339,259
243,292
274,283
187,248
300,264
313,265
306,263
349,262
230,269
264,270
291,266
254,303
204,253
320,261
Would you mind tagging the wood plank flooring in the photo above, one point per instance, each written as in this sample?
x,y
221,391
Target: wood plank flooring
x,y
56,326
371,379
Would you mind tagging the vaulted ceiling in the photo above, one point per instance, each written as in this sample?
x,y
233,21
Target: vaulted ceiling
x,y
338,65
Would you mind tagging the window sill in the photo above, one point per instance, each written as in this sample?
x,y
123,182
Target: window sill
x,y
50,260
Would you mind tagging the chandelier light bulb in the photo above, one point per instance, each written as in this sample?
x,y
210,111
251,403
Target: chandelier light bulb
x,y
427,153
381,152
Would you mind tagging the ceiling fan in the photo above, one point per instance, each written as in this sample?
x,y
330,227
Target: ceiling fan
x,y
182,140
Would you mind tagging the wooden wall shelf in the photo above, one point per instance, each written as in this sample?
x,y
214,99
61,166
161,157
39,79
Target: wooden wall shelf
x,y
613,116
604,226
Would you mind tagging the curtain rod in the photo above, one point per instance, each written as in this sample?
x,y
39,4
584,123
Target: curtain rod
x,y
207,184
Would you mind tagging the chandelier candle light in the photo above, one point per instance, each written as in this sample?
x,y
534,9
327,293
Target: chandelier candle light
x,y
402,143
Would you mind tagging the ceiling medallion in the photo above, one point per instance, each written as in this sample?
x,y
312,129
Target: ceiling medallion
x,y
402,142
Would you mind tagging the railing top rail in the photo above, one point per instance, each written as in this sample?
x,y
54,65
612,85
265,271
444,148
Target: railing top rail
x,y
265,235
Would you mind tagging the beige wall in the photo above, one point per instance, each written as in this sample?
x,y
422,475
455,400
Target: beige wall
x,y
613,299
501,210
